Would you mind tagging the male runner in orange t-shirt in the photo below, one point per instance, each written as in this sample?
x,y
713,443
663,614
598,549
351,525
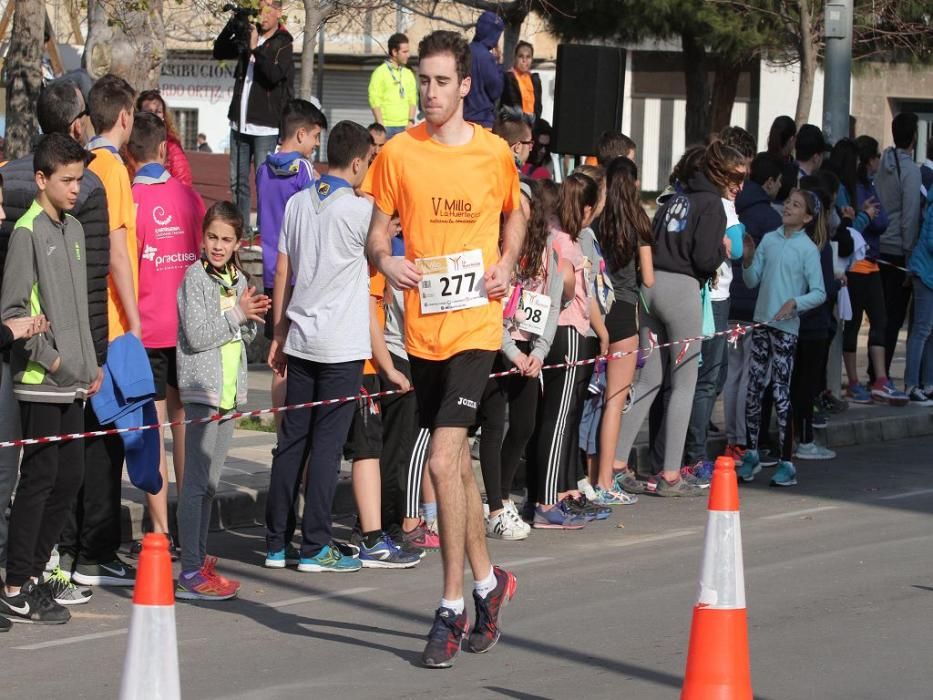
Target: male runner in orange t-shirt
x,y
450,182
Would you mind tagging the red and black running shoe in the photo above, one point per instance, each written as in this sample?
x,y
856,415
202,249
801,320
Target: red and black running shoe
x,y
444,639
486,631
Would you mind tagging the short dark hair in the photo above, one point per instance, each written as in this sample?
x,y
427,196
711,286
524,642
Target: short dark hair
x,y
148,132
443,41
202,136
109,96
300,114
524,45
904,129
739,139
59,104
346,141
765,167
396,41
510,125
377,127
55,151
611,145
810,141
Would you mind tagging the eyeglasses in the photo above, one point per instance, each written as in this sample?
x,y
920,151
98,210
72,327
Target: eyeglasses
x,y
82,113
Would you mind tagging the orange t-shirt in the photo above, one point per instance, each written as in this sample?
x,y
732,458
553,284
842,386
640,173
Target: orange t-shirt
x,y
109,167
377,286
450,200
527,89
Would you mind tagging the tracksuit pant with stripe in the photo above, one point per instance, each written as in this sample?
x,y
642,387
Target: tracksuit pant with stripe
x,y
555,442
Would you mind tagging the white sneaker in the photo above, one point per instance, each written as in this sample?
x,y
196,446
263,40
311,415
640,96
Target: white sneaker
x,y
586,488
810,450
512,510
503,527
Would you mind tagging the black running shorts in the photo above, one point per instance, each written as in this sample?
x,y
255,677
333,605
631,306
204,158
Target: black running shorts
x,y
449,391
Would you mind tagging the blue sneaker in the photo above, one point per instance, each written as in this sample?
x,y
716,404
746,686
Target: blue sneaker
x,y
329,559
857,393
559,518
284,557
887,393
786,475
749,467
612,497
385,554
698,474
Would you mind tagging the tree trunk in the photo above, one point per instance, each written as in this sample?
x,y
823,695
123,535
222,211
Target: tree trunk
x,y
127,39
725,87
696,125
24,76
514,19
317,12
808,51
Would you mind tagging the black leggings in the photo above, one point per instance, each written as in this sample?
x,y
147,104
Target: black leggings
x,y
805,385
867,296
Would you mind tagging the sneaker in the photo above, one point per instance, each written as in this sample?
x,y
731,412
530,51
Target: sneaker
x,y
486,630
347,549
786,475
395,533
857,393
928,390
681,487
137,547
5,624
502,526
581,505
810,450
557,518
329,559
767,458
445,638
422,537
698,474
749,467
112,573
819,419
832,404
512,510
626,481
917,397
63,591
282,558
33,605
735,452
586,488
612,497
206,584
528,511
886,392
385,554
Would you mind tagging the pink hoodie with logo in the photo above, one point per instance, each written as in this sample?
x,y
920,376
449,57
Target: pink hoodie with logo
x,y
169,216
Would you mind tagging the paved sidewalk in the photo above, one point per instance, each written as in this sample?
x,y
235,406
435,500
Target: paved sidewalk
x,y
241,495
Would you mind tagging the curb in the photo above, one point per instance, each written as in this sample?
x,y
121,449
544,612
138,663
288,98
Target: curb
x,y
246,506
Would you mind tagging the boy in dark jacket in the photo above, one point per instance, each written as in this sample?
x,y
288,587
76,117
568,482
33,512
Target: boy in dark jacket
x,y
53,373
486,76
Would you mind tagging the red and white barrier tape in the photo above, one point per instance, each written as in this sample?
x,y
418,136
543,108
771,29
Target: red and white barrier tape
x,y
733,334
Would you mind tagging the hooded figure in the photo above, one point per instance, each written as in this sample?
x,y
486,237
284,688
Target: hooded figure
x,y
486,73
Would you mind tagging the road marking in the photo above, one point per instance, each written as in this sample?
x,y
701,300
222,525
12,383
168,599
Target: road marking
x,y
795,513
73,640
651,538
905,494
323,596
522,562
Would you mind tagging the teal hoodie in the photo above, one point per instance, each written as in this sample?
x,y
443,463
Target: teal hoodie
x,y
785,268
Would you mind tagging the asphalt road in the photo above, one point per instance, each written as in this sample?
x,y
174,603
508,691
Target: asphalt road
x,y
838,579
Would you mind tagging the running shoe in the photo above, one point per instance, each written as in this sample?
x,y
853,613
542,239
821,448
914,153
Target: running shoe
x,y
422,537
116,573
928,390
613,497
512,509
832,404
395,533
680,488
750,466
581,505
63,591
205,584
886,392
34,605
557,517
819,419
858,393
282,558
698,474
625,480
767,458
329,559
786,475
502,526
917,397
385,554
486,630
586,488
812,451
735,452
445,638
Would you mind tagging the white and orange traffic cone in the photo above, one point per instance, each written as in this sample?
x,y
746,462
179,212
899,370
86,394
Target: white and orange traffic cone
x,y
717,661
150,669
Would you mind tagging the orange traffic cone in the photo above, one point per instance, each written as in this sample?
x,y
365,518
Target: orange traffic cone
x,y
717,660
150,669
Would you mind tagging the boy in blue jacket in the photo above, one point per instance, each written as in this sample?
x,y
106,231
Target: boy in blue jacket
x,y
487,77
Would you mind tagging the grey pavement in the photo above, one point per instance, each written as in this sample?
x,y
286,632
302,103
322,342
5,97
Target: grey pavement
x,y
838,583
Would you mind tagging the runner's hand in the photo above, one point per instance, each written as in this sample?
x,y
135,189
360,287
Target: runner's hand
x,y
533,368
401,272
497,280
399,379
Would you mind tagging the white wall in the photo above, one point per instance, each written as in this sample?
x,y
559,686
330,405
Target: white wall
x,y
778,95
204,85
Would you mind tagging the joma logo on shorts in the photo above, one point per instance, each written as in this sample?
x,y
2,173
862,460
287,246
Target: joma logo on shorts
x,y
466,402
445,206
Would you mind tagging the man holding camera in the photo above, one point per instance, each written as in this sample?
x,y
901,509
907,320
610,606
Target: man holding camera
x,y
265,74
